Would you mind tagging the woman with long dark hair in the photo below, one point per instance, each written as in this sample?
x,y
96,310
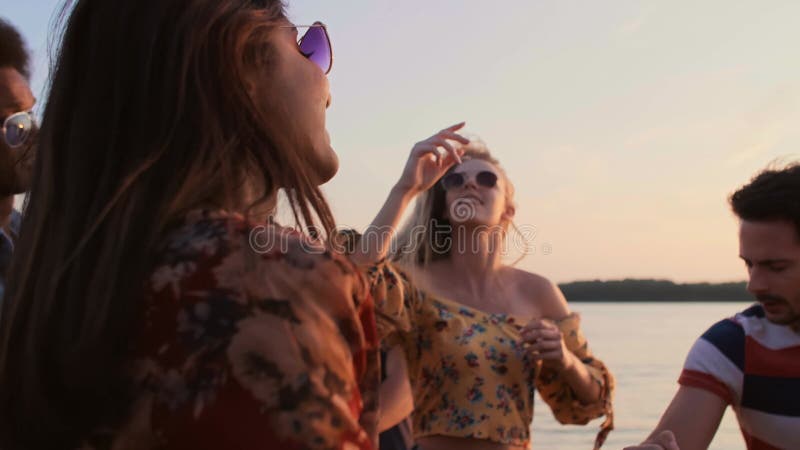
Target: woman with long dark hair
x,y
480,336
152,303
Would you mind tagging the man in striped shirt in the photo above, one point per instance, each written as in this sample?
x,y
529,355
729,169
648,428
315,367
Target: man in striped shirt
x,y
750,361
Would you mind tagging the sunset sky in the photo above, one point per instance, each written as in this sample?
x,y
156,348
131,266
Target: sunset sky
x,y
624,125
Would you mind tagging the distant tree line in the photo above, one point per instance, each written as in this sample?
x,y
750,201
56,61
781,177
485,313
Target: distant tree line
x,y
630,290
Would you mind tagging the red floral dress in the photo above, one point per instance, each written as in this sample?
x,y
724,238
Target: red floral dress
x,y
247,347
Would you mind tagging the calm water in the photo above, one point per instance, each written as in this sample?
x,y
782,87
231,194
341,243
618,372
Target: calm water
x,y
644,344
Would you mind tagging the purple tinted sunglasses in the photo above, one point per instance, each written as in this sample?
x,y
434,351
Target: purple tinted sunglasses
x,y
316,45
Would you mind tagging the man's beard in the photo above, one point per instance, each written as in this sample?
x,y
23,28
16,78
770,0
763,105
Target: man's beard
x,y
793,318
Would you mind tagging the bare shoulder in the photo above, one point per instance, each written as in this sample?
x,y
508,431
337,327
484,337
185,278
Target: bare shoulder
x,y
541,291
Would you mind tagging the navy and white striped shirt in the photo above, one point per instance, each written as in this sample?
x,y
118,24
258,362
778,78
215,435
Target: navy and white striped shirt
x,y
754,365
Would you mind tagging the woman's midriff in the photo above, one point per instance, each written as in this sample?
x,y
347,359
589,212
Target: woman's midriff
x,y
456,443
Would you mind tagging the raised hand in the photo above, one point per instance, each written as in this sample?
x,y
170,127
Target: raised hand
x,y
431,158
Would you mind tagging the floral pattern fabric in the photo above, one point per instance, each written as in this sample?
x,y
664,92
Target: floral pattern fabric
x,y
245,349
470,375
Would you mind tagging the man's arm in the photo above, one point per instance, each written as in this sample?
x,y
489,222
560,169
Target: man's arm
x,y
693,416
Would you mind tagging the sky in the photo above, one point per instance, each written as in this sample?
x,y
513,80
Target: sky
x,y
624,125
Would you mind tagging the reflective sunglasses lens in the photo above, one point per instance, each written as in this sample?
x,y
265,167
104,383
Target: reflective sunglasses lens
x,y
316,46
486,179
18,128
452,180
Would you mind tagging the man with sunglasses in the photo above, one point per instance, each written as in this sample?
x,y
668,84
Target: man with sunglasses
x,y
16,137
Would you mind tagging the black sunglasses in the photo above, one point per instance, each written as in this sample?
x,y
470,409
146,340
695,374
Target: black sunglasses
x,y
454,180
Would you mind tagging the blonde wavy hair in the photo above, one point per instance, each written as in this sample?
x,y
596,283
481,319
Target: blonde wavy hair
x,y
423,237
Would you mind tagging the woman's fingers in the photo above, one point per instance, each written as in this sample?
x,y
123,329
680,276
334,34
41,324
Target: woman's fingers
x,y
442,142
453,137
430,158
539,324
449,148
422,153
545,347
446,134
441,139
541,333
543,340
439,148
426,148
455,127
555,354
539,328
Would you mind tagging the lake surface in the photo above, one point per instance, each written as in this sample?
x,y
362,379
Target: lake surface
x,y
644,345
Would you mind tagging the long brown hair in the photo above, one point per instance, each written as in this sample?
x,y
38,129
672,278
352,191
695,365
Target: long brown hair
x,y
149,115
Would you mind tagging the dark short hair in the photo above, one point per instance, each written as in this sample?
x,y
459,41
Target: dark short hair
x,y
773,194
13,52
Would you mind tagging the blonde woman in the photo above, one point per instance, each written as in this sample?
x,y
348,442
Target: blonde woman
x,y
479,336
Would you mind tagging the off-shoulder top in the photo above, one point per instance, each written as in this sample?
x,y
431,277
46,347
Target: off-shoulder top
x,y
251,338
470,374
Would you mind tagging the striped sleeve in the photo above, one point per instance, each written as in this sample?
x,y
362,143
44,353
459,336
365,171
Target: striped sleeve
x,y
716,362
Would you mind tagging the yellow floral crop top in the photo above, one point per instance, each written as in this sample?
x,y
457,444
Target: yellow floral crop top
x,y
469,373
